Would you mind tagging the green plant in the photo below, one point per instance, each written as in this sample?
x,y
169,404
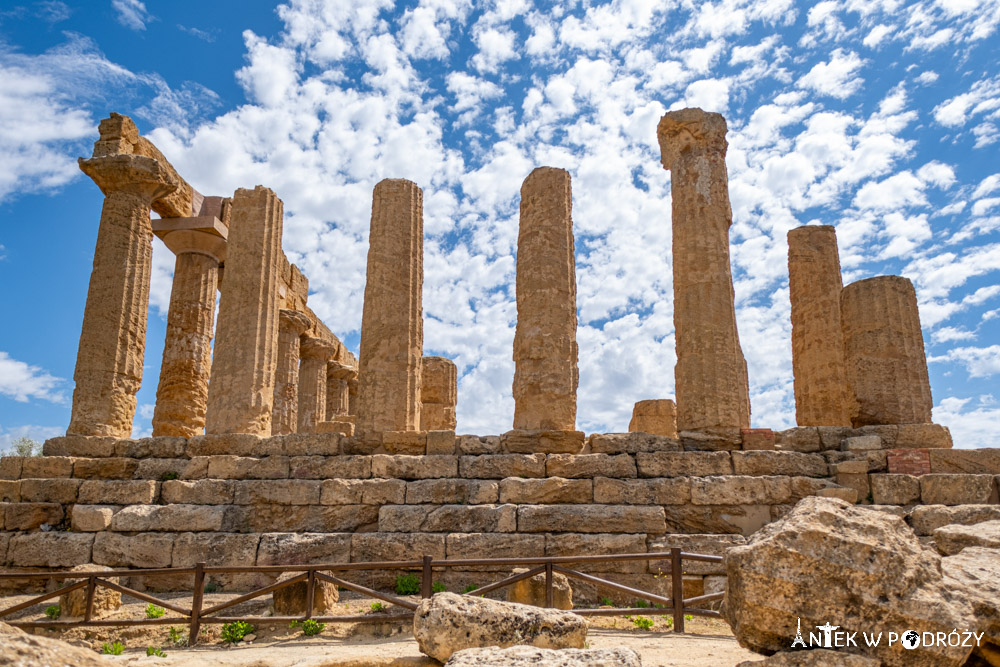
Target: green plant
x,y
25,446
438,587
407,584
211,587
670,622
236,631
641,604
152,650
176,636
152,611
470,588
115,648
167,476
688,617
377,607
53,611
643,623
311,627
607,602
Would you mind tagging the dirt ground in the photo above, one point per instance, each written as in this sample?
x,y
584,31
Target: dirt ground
x,y
706,642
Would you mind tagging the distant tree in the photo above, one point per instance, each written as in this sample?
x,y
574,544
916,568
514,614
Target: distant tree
x,y
25,446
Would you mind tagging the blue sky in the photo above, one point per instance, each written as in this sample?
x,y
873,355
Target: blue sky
x,y
881,118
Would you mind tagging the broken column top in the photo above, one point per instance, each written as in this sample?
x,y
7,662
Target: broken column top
x,y
339,371
129,172
293,319
317,348
688,129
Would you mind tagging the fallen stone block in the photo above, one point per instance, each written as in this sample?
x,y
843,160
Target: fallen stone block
x,y
951,540
292,599
20,648
815,658
945,489
529,656
74,603
925,519
895,489
532,590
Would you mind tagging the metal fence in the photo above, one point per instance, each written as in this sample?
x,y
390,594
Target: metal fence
x,y
675,605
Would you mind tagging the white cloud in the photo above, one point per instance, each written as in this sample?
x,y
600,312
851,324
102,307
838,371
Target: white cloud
x,y
876,36
22,382
897,191
496,45
971,424
8,434
949,334
837,77
984,95
131,13
708,94
978,361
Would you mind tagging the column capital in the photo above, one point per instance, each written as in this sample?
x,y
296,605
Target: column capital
x,y
690,130
135,174
312,347
339,371
294,320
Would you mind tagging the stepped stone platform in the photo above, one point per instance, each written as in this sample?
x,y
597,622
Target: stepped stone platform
x,y
325,497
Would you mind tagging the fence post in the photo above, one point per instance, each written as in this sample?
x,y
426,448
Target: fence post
x,y
196,602
310,593
677,588
548,585
91,588
426,589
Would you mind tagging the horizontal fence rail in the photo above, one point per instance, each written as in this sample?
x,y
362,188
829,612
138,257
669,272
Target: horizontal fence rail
x,y
198,614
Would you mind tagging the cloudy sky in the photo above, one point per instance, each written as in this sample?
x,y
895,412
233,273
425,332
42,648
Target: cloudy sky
x,y
881,117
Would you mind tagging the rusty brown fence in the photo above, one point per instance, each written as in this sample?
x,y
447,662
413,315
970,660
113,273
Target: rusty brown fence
x,y
675,605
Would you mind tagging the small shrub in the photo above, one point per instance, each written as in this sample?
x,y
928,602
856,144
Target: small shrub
x,y
670,622
167,476
311,627
470,588
438,587
642,604
235,632
152,611
688,617
176,636
407,584
607,602
152,650
377,607
53,611
115,648
25,446
643,623
211,587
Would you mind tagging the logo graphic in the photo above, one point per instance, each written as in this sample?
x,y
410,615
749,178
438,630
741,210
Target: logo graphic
x,y
827,631
798,637
911,639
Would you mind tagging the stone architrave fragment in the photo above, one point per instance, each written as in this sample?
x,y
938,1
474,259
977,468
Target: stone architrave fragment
x,y
113,337
284,415
656,416
438,394
884,352
241,391
338,399
814,285
545,348
711,373
392,329
315,353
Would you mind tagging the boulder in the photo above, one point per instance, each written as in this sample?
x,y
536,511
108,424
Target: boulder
x,y
74,603
952,539
815,658
291,600
977,571
532,591
529,656
18,648
828,562
447,622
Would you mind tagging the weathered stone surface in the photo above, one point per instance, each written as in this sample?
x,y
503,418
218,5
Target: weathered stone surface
x,y
452,491
546,491
217,549
438,394
232,444
895,489
107,468
91,518
545,347
113,337
52,549
655,416
293,600
923,436
387,546
310,444
169,518
321,467
663,491
632,443
21,649
758,439
278,492
590,465
967,461
952,539
884,352
10,467
712,440
80,445
945,489
866,565
414,467
246,467
117,492
446,623
441,443
712,545
779,463
722,519
10,491
405,442
447,518
314,354
711,374
928,518
62,491
740,490
475,444
245,355
499,466
310,518
819,657
285,408
590,519
338,391
848,495
521,441
304,548
142,550
532,590
976,572
159,447
74,603
31,516
877,459
861,443
684,464
803,439
392,330
525,656
363,492
814,285
45,467
577,544
198,492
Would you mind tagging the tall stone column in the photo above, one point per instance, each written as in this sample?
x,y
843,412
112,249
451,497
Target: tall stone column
x,y
284,415
711,385
814,286
113,337
884,352
438,394
392,327
337,391
315,353
241,392
352,397
656,416
545,348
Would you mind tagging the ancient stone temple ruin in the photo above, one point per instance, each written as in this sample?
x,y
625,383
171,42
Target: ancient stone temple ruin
x,y
274,445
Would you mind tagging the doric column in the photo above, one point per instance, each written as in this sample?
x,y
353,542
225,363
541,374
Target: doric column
x,y
241,390
113,338
545,348
814,286
656,416
338,402
438,394
884,352
392,328
315,353
284,416
352,397
710,377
